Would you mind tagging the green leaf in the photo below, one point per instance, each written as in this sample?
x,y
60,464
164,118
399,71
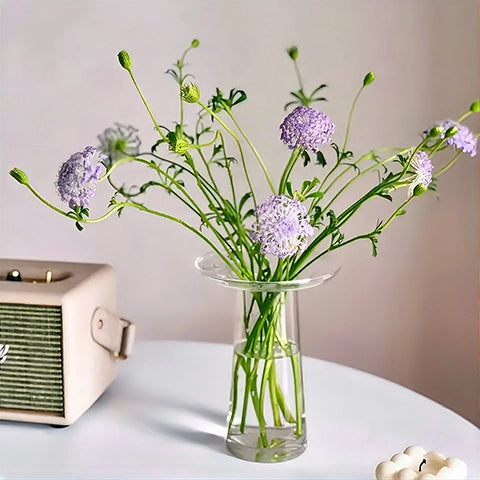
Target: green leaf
x,y
293,102
249,213
173,73
316,195
305,185
374,241
288,188
317,215
333,219
237,96
323,85
321,159
306,158
79,226
243,200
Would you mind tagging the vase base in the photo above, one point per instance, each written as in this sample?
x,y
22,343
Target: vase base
x,y
283,444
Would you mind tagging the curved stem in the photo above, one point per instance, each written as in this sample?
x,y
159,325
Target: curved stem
x,y
197,232
350,118
288,169
448,165
254,150
157,127
299,76
46,202
237,141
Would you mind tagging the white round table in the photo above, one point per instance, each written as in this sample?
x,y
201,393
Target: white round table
x,y
164,418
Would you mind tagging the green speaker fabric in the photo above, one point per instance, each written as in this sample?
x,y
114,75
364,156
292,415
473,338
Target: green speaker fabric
x,y
31,377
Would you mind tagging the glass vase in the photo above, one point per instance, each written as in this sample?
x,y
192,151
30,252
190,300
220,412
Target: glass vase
x,y
266,419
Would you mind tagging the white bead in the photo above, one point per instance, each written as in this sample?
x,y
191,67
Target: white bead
x,y
402,460
386,471
407,474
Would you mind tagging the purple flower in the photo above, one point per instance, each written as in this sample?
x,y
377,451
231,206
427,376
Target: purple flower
x,y
282,226
423,172
119,141
463,140
307,128
78,175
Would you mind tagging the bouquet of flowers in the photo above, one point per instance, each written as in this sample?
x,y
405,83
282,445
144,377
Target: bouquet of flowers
x,y
262,242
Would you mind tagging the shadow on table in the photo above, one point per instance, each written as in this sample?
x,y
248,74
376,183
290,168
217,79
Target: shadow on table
x,y
186,434
151,411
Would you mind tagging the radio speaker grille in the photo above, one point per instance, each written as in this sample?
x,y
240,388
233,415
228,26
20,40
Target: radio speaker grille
x,y
31,377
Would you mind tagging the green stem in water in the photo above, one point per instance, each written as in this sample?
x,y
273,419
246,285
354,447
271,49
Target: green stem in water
x,y
233,408
298,394
273,386
283,406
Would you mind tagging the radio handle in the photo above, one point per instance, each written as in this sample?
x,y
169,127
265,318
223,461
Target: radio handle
x,y
113,333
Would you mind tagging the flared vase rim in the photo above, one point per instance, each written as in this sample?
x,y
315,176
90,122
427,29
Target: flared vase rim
x,y
211,266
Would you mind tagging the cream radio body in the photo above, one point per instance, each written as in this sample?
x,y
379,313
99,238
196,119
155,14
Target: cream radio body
x,y
60,339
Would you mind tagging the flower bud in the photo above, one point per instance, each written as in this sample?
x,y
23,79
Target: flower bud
x,y
435,131
179,146
293,52
453,130
190,93
475,106
124,59
19,176
195,43
419,190
369,78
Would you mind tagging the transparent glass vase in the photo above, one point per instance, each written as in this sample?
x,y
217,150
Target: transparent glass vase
x,y
266,419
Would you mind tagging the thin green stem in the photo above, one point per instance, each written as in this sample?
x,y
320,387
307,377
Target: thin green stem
x,y
237,141
298,394
283,406
464,116
449,164
299,76
233,408
228,248
115,165
196,231
288,169
350,118
246,394
254,150
157,127
272,387
46,202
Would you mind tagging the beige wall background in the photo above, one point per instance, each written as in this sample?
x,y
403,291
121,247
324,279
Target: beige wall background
x,y
411,314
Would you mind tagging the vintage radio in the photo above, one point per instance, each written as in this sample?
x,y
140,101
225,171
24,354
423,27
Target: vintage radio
x,y
60,339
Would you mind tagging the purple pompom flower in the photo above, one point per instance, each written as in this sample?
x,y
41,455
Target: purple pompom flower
x,y
78,175
282,226
423,172
307,128
463,140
